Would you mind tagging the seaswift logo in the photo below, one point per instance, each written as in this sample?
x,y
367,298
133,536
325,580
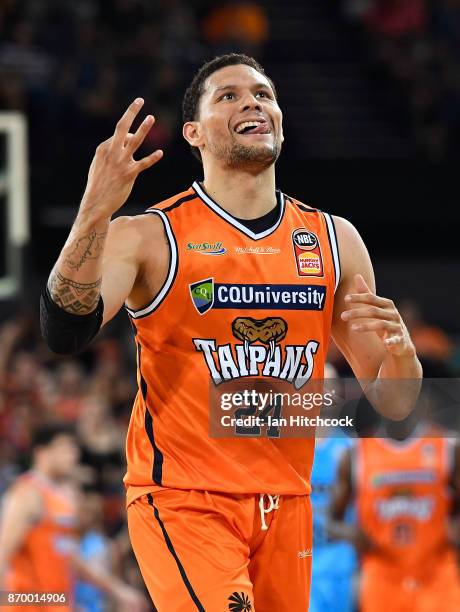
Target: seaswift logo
x,y
207,248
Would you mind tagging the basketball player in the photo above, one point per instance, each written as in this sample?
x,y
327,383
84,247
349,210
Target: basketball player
x,y
405,491
227,280
38,528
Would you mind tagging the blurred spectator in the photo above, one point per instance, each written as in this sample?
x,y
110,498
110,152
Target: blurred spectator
x,y
99,432
70,391
415,54
397,18
236,25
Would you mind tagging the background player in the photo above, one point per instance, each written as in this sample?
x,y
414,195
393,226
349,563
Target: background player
x,y
38,527
234,123
405,489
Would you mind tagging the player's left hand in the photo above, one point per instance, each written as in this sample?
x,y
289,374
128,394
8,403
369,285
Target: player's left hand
x,y
371,313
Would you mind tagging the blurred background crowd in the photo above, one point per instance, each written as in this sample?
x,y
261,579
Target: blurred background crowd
x,y
72,66
371,95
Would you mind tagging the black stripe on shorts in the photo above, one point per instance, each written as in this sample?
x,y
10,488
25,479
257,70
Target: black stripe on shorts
x,y
170,546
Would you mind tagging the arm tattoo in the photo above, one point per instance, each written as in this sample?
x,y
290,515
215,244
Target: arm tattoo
x,y
76,298
86,247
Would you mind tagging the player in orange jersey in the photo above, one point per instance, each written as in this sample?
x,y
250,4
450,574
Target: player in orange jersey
x,y
228,281
406,490
38,530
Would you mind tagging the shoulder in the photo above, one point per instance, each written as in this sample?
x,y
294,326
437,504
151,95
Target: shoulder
x,y
352,250
24,498
133,231
345,229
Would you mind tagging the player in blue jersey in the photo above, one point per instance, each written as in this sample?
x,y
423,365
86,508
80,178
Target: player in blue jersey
x,y
334,561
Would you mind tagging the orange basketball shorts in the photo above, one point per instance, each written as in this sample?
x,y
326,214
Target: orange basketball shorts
x,y
210,551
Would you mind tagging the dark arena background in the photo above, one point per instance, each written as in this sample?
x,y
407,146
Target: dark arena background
x,y
370,93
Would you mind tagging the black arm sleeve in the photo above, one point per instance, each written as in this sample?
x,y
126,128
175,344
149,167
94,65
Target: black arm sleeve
x,y
66,333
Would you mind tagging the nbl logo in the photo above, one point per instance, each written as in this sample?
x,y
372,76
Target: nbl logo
x,y
305,239
307,253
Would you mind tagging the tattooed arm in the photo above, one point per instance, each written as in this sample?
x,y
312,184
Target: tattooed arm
x,y
100,257
75,282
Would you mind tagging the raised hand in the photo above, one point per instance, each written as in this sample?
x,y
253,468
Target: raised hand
x,y
371,313
113,170
76,279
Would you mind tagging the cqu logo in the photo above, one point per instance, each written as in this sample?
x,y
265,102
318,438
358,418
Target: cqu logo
x,y
207,294
307,253
202,294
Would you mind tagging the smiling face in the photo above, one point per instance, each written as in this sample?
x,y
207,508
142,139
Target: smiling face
x,y
239,121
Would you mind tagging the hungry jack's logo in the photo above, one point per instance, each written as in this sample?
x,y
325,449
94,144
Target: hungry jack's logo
x,y
307,253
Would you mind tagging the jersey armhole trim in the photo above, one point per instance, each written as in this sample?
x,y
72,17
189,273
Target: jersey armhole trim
x,y
331,234
172,273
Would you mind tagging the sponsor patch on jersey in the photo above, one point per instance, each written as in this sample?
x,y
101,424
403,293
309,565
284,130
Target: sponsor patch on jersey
x,y
307,253
259,352
207,248
202,294
403,477
406,506
207,294
257,250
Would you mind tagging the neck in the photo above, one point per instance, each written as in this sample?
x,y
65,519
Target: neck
x,y
243,194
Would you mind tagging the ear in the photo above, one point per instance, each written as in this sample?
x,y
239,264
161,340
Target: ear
x,y
192,133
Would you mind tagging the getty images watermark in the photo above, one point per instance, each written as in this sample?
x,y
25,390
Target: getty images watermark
x,y
272,408
270,405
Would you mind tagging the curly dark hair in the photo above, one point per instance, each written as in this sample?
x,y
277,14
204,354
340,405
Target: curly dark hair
x,y
195,90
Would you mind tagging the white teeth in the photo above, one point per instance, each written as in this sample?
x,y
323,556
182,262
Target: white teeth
x,y
246,124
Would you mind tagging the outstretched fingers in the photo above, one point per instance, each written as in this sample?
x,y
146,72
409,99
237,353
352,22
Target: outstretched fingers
x,y
369,298
124,124
135,140
149,161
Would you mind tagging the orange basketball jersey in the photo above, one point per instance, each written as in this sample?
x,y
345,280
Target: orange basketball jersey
x,y
236,305
404,503
41,562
